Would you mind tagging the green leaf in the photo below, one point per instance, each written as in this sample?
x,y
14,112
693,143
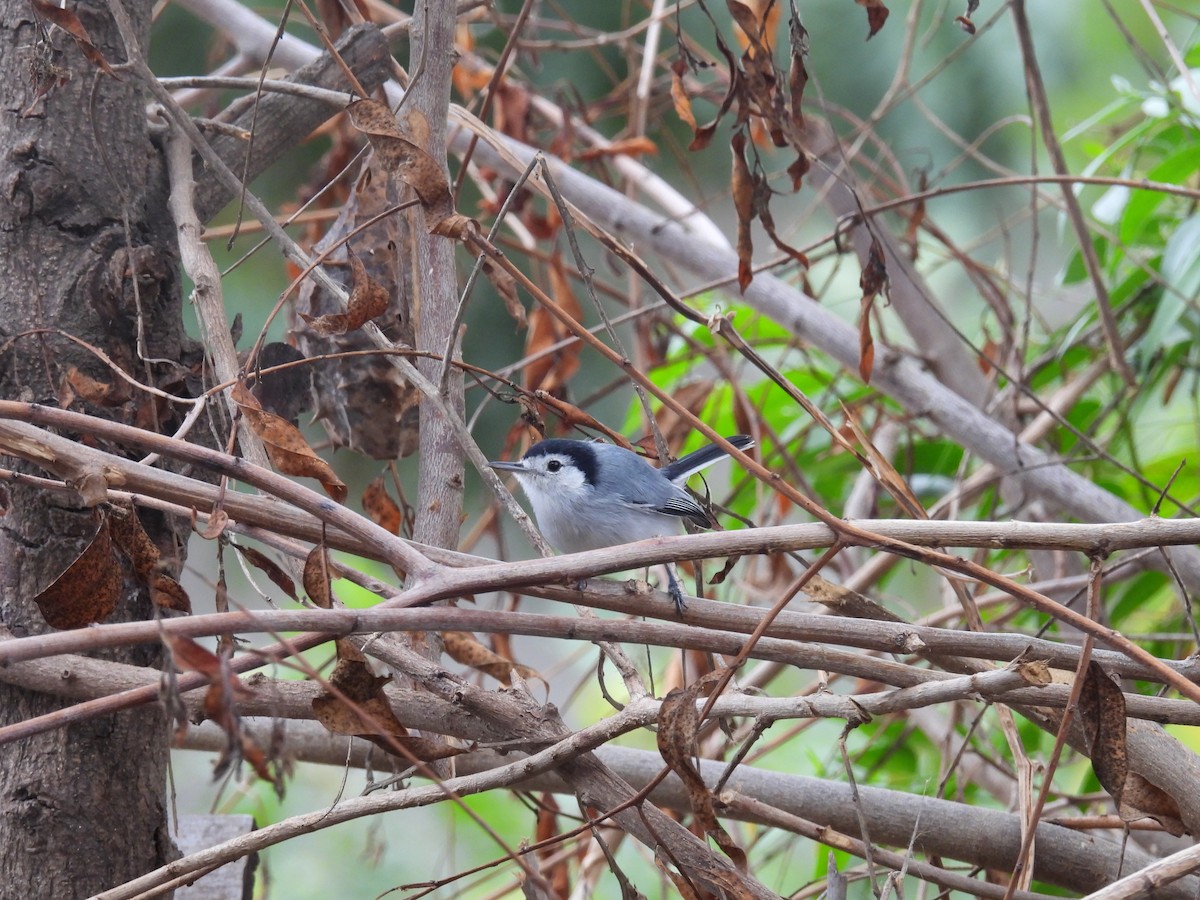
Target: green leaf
x,y
1181,259
1180,270
1175,169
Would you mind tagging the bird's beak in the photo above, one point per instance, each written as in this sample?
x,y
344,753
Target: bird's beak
x,y
508,466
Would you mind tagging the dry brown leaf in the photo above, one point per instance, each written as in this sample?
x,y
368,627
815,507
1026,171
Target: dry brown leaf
x,y
683,103
370,716
506,287
674,427
467,80
286,447
742,188
1141,799
220,704
631,146
404,156
318,575
89,589
916,219
132,540
98,393
1035,672
678,723
362,401
866,343
797,79
69,22
726,569
270,568
510,112
799,169
874,274
872,281
373,720
552,371
755,22
883,470
167,593
91,485
762,102
574,417
358,706
368,299
704,134
191,657
877,14
380,508
1101,714
218,521
546,827
464,648
253,754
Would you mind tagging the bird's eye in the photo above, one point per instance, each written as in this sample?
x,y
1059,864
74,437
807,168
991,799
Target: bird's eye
x,y
553,466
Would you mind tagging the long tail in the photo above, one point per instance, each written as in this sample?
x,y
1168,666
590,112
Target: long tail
x,y
687,466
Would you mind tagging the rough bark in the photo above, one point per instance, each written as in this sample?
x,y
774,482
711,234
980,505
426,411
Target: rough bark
x,y
435,302
86,247
440,497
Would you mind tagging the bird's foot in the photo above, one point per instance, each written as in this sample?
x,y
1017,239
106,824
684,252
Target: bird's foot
x,y
675,591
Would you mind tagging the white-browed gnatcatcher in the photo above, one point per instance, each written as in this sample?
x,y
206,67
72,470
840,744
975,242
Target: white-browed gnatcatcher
x,y
587,496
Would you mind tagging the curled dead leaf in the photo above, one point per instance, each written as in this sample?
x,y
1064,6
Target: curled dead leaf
x,y
797,76
218,521
742,187
683,103
286,447
318,577
368,299
91,485
877,15
1035,672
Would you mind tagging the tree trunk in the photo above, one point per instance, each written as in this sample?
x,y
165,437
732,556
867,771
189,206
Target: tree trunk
x,y
86,249
440,499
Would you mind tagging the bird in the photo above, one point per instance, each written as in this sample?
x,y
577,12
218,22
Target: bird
x,y
587,495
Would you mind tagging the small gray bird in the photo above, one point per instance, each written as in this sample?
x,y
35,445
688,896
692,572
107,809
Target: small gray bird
x,y
586,496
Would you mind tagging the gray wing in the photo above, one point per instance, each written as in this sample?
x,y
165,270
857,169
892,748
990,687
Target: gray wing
x,y
655,492
686,508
